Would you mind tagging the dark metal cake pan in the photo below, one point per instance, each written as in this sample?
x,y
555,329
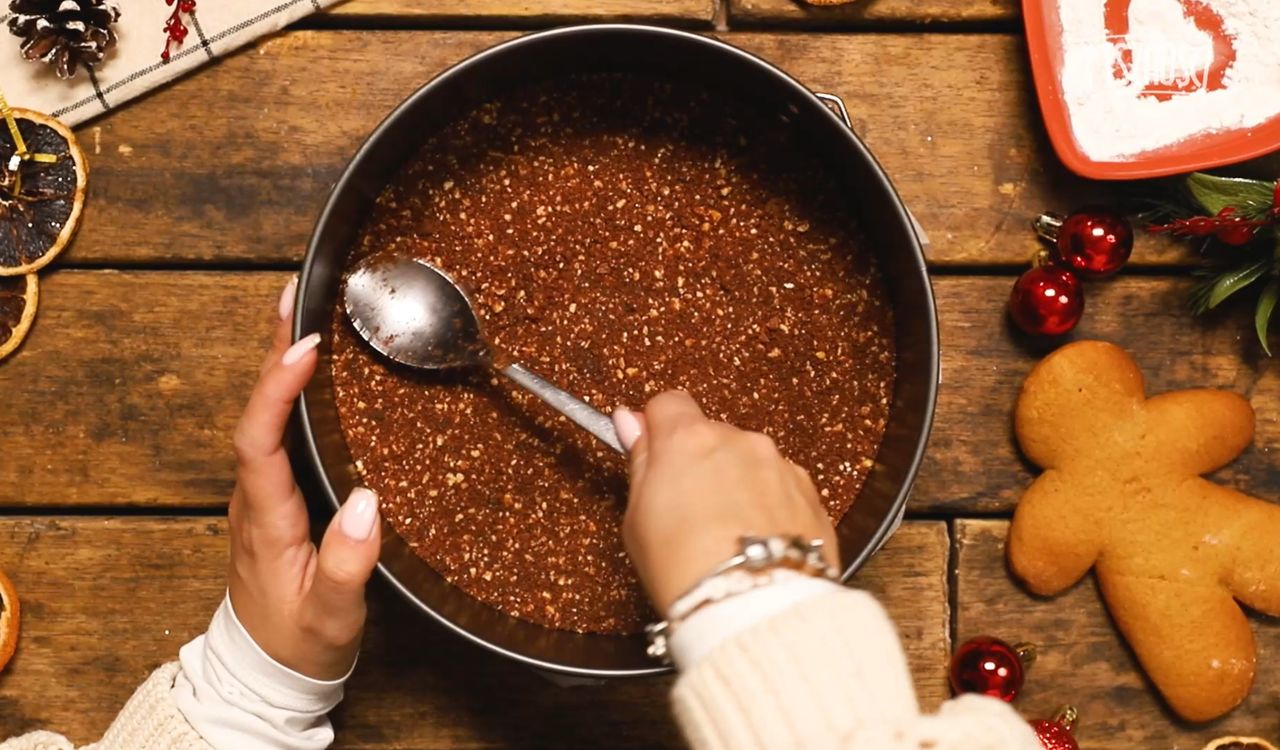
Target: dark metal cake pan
x,y
689,58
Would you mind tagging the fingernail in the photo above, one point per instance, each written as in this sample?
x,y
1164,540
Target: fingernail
x,y
287,297
359,514
301,347
627,425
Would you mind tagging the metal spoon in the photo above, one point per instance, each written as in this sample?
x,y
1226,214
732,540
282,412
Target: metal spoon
x,y
415,314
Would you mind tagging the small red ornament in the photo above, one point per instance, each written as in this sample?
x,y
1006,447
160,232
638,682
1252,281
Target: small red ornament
x,y
1055,733
1094,241
990,666
175,30
1046,301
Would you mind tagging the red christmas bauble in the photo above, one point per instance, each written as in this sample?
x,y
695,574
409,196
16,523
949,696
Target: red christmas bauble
x,y
988,666
1095,241
1054,736
1055,733
1046,301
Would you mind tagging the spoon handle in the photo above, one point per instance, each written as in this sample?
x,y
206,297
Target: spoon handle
x,y
578,411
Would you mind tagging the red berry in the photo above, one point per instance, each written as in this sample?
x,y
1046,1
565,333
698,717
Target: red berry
x,y
988,666
1053,735
1236,233
187,6
1095,241
1046,301
1231,230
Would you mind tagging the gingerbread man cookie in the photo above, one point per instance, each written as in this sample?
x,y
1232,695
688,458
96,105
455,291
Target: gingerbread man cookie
x,y
1122,493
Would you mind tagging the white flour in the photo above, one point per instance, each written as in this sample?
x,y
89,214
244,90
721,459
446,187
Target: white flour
x,y
1112,119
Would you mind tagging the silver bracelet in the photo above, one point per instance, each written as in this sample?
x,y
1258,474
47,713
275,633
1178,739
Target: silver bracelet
x,y
758,555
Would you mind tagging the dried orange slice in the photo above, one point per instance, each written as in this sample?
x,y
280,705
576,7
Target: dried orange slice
x,y
41,200
18,298
10,612
1239,743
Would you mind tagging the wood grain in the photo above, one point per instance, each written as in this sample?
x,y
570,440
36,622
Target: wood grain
x,y
797,13
106,600
530,13
953,121
973,464
1082,660
130,384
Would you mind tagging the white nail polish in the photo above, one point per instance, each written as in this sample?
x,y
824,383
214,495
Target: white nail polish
x,y
287,298
296,352
359,514
627,425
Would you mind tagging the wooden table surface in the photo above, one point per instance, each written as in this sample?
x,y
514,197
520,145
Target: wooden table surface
x,y
117,412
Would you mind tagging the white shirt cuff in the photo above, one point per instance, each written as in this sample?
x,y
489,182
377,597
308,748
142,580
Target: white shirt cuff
x,y
239,698
700,633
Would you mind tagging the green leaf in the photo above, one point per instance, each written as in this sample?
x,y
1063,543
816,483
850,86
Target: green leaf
x,y
1236,279
1251,198
1266,305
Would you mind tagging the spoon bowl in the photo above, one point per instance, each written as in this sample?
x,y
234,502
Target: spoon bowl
x,y
414,313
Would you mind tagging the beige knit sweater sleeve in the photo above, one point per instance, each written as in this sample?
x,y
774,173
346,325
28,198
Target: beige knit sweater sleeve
x,y
829,674
149,721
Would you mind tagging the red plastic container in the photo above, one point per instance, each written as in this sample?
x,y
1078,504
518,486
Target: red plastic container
x,y
1045,44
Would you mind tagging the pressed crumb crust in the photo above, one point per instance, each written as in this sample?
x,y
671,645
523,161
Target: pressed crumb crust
x,y
622,236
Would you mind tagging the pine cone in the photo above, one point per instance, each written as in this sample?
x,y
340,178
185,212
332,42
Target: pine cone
x,y
65,33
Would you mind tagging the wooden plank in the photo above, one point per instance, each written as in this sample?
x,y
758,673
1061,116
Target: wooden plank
x,y
128,388
527,13
904,576
104,601
244,183
108,600
797,13
973,464
1082,660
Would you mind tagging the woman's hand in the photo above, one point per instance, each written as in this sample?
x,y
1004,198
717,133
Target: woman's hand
x,y
697,486
305,608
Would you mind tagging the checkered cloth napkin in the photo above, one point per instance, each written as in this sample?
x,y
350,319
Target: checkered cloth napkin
x,y
133,67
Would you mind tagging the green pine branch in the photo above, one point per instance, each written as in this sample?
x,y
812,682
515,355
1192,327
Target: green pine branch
x,y
1252,199
1259,268
1255,265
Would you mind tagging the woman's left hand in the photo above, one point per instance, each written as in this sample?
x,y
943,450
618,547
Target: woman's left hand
x,y
304,607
